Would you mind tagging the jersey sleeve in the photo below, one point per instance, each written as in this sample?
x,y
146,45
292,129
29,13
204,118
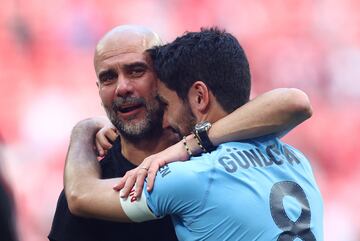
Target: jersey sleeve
x,y
177,189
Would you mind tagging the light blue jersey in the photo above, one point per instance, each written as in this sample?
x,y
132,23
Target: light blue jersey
x,y
261,189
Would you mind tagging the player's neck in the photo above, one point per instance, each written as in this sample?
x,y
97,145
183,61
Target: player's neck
x,y
136,152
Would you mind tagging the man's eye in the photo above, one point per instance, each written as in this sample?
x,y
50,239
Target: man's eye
x,y
137,72
106,77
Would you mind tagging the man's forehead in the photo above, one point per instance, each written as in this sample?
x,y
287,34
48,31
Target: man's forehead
x,y
122,45
127,49
128,36
120,57
124,61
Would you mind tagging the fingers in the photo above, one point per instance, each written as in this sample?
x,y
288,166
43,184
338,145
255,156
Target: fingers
x,y
100,149
140,179
133,177
111,134
103,140
151,174
129,184
121,184
151,177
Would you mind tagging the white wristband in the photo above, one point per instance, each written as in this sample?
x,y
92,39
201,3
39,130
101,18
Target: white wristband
x,y
137,209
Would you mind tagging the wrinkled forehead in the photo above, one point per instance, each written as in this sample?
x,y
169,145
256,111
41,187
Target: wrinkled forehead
x,y
123,42
121,45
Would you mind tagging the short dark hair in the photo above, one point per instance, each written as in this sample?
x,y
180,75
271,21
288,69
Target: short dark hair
x,y
212,56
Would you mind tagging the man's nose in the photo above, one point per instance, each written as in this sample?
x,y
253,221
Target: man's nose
x,y
124,86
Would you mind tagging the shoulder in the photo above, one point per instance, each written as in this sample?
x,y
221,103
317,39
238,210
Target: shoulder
x,y
177,186
179,174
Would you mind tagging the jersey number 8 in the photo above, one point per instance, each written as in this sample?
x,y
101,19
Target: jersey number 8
x,y
291,229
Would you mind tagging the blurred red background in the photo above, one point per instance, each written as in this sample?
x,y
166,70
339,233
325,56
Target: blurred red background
x,y
48,84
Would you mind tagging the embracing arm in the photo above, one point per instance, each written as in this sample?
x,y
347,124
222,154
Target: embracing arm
x,y
274,112
86,193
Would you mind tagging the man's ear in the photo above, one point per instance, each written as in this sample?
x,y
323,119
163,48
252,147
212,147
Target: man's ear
x,y
198,97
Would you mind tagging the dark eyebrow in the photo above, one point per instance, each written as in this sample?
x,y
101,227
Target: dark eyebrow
x,y
136,64
109,72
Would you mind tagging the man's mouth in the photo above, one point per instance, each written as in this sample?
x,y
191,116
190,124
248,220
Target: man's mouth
x,y
128,108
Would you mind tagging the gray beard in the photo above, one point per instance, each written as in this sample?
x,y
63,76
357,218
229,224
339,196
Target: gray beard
x,y
134,130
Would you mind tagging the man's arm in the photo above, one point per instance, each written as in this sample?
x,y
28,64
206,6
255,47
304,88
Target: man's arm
x,y
86,193
274,112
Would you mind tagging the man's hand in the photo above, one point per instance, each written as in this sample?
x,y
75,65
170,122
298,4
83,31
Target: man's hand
x,y
104,138
149,168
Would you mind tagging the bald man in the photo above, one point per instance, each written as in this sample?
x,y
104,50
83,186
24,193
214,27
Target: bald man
x,y
128,91
132,108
